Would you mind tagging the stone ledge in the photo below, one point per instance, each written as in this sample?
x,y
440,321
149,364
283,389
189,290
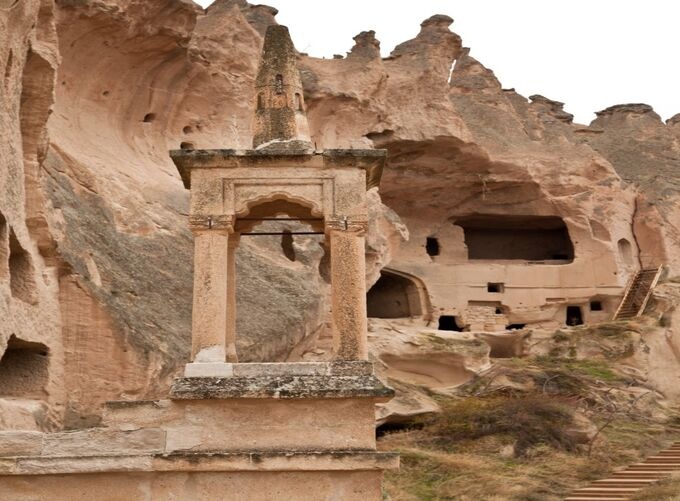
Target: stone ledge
x,y
281,387
214,462
371,160
225,369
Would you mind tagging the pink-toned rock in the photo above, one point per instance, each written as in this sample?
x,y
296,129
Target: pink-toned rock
x,y
95,259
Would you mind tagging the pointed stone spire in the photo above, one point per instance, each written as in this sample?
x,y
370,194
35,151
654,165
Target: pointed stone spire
x,y
280,120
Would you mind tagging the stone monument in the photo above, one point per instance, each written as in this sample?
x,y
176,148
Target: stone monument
x,y
284,178
230,430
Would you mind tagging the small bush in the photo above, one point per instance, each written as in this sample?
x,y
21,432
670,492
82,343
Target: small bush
x,y
530,420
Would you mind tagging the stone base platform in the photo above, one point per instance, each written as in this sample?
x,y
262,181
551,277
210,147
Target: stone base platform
x,y
263,433
197,486
339,475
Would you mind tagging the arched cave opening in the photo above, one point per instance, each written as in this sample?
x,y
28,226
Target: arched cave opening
x,y
449,323
625,251
21,272
525,238
574,316
23,369
393,296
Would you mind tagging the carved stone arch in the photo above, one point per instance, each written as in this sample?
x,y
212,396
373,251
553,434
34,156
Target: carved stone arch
x,y
275,203
314,206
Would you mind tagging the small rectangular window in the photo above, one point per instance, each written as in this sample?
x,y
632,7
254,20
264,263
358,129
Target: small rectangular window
x,y
495,287
596,306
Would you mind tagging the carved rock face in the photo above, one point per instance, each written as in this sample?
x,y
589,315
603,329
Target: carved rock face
x,y
95,201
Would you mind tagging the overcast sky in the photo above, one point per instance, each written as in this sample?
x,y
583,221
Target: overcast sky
x,y
589,54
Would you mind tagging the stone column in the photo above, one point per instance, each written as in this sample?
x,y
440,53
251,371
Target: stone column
x,y
234,240
348,291
209,314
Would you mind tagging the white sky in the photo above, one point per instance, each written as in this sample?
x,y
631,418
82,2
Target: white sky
x,y
589,54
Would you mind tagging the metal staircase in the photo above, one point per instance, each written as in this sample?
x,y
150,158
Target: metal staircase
x,y
638,293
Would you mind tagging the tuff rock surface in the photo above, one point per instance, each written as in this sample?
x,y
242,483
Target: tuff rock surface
x,y
95,254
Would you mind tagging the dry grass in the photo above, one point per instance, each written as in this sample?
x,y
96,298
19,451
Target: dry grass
x,y
525,422
666,490
506,436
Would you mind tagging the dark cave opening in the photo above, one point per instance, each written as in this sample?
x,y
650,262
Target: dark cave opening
x,y
526,238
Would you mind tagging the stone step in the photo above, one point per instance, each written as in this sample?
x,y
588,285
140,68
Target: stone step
x,y
639,474
648,466
651,463
606,490
623,481
595,498
603,494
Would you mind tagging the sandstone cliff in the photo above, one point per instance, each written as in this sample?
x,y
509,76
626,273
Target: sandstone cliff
x,y
95,255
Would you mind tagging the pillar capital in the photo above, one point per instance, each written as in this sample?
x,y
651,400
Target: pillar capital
x,y
350,224
223,223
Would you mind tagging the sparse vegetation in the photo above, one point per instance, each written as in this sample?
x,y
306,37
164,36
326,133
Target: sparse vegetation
x,y
666,490
517,432
526,422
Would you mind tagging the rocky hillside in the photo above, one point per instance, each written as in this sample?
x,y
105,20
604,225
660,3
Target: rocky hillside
x,y
95,254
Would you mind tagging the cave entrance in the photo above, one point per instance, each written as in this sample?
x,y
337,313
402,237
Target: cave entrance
x,y
625,251
574,316
449,323
524,238
394,295
23,369
432,246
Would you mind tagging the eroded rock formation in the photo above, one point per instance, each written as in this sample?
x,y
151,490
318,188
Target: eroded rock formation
x,y
95,257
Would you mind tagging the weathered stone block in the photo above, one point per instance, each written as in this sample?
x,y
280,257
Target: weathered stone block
x,y
102,441
20,443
